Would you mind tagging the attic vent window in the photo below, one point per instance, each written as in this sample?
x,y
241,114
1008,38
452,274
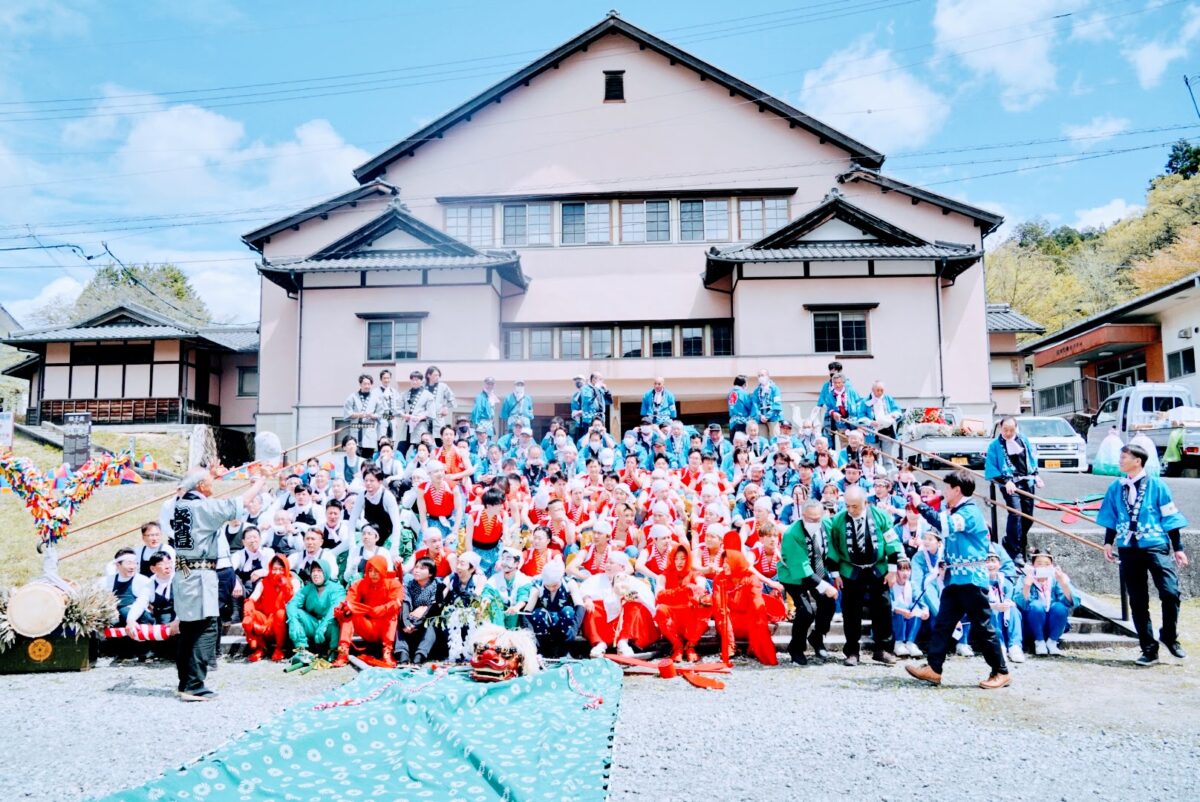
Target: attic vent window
x,y
614,86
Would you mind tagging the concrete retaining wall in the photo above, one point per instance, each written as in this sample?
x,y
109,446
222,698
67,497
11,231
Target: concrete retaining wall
x,y
1089,570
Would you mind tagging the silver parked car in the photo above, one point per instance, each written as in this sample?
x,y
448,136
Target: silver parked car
x,y
1058,447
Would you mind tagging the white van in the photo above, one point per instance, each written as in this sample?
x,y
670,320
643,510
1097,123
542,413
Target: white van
x,y
1146,409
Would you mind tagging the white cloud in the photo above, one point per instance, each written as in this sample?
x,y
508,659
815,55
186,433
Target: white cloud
x,y
903,110
62,291
1104,216
1151,60
24,18
177,159
1099,129
984,36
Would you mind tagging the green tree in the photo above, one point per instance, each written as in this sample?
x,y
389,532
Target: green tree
x,y
1183,160
163,288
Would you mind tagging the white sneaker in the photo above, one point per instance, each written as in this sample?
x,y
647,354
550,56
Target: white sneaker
x,y
1052,648
1039,648
599,649
964,650
624,648
914,650
1016,654
901,649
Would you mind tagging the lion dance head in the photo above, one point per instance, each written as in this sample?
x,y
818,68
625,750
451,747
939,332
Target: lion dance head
x,y
499,654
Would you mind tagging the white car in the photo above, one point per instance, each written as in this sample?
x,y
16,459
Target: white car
x,y
1058,446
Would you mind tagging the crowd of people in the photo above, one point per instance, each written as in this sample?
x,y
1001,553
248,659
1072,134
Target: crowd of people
x,y
427,524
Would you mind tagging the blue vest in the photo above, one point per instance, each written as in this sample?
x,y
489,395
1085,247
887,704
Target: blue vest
x,y
1156,516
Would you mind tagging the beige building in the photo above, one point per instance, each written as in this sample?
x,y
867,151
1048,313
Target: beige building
x,y
620,206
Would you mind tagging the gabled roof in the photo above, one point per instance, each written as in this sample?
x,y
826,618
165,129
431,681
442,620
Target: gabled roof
x,y
884,241
986,220
256,239
353,253
1003,318
1114,313
613,24
836,207
130,321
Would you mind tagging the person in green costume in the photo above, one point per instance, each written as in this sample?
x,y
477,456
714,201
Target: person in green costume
x,y
311,624
865,548
511,587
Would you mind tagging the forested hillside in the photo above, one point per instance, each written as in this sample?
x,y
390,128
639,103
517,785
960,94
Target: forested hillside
x,y
1059,275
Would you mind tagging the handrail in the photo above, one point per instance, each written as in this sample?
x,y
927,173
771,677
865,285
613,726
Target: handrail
x,y
1000,505
1054,504
166,496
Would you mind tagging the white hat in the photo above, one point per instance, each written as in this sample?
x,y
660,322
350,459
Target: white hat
x,y
552,572
659,530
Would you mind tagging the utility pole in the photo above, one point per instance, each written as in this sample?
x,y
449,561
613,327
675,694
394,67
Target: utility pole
x,y
1192,94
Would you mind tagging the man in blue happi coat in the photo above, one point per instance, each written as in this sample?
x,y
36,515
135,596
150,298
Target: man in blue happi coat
x,y
1140,516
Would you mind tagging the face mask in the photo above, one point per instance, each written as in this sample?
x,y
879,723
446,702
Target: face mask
x,y
519,392
578,383
763,381
560,440
646,430
629,442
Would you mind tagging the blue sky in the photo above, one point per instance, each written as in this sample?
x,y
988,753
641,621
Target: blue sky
x,y
168,129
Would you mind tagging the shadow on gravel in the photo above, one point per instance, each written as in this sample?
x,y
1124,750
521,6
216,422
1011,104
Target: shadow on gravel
x,y
1123,664
128,688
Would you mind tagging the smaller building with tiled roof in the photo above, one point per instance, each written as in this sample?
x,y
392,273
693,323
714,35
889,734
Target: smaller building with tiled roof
x,y
130,364
1010,377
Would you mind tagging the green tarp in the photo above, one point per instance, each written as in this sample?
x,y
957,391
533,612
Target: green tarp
x,y
453,739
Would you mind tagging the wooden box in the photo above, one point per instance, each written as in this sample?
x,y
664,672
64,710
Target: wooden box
x,y
52,653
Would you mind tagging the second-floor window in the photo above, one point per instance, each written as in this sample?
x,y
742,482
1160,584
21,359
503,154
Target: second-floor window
x,y
759,216
646,221
527,224
586,223
392,340
701,220
471,224
840,332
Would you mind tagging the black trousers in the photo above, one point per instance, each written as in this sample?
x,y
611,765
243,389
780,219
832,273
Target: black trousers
x,y
197,650
972,601
1016,532
813,611
226,579
1159,563
867,588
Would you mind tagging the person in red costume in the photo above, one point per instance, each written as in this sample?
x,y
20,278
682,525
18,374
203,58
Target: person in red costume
x,y
741,611
679,611
619,608
264,614
371,610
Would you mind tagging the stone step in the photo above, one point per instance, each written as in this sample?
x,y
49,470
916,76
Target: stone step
x,y
235,645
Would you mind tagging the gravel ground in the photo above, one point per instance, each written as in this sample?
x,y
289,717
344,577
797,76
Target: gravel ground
x,y
81,735
828,732
1086,726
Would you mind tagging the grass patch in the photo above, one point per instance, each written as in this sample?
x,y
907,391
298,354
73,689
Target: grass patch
x,y
19,560
169,449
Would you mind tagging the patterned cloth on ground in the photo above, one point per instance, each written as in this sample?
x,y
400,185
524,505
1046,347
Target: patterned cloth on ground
x,y
411,737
